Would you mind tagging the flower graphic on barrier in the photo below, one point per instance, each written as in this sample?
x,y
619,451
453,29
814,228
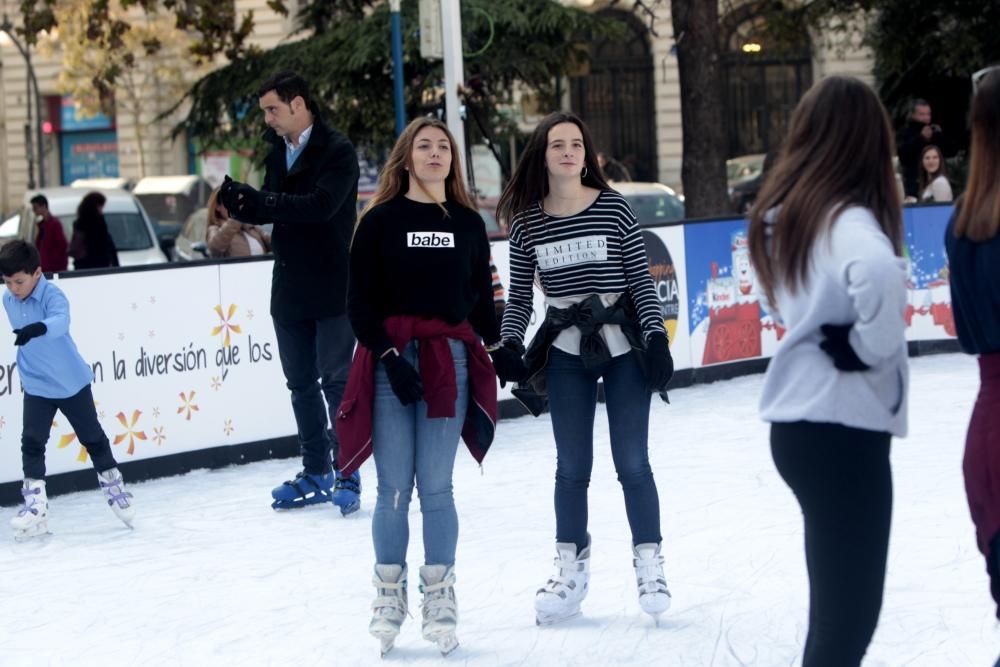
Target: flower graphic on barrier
x,y
156,413
131,433
227,325
228,427
66,440
187,405
216,382
158,435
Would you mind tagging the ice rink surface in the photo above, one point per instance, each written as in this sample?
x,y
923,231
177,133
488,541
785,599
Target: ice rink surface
x,y
212,576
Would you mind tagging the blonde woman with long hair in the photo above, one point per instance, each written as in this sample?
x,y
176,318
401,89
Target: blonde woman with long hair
x,y
420,300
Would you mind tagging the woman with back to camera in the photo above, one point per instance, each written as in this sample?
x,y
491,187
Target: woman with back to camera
x,y
420,297
825,238
973,245
603,320
91,246
934,185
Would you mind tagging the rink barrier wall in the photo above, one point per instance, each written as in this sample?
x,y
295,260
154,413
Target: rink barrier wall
x,y
187,374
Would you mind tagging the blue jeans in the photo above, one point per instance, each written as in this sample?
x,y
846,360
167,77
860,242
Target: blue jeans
x,y
572,404
407,446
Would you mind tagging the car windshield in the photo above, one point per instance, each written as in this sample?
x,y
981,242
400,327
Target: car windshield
x,y
128,231
656,208
167,208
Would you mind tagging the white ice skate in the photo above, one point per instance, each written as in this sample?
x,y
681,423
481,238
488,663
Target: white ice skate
x,y
119,500
437,583
32,519
389,609
654,597
559,599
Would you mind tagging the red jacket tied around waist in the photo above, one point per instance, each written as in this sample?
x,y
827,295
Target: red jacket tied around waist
x,y
437,372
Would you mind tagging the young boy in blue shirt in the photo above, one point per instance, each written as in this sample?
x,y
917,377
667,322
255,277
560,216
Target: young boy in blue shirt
x,y
54,377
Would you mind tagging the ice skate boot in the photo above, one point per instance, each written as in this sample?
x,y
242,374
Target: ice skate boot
x,y
32,519
440,608
389,609
559,599
347,493
654,597
304,490
119,500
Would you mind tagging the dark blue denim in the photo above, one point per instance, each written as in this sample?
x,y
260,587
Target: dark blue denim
x,y
572,403
316,357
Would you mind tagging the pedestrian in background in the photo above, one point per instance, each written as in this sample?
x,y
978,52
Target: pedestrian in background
x,y
934,185
92,246
973,245
826,235
50,239
603,321
420,302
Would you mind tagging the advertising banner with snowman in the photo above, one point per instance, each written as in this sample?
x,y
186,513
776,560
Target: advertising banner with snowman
x,y
728,321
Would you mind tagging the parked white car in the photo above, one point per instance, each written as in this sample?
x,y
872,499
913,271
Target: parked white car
x,y
130,227
653,203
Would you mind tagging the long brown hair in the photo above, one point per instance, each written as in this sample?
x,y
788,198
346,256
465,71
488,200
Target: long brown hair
x,y
926,178
530,182
394,179
979,208
838,154
214,220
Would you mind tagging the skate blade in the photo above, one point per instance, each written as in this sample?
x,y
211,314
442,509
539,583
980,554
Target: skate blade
x,y
447,643
28,534
386,646
350,508
545,620
298,503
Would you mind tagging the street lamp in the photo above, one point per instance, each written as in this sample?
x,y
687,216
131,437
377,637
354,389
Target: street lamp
x,y
7,28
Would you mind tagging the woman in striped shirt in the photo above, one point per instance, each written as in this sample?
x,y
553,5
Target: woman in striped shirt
x,y
603,321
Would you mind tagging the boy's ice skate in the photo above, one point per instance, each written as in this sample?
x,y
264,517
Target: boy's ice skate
x,y
32,519
654,597
347,493
559,599
119,500
304,490
389,609
440,608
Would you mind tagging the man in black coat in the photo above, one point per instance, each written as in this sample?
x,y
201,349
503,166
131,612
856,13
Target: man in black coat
x,y
310,194
917,134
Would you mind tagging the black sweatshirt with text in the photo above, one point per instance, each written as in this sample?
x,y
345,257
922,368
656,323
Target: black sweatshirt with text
x,y
409,258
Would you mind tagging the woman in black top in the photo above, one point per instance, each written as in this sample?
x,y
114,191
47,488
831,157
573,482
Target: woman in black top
x,y
973,245
420,296
92,246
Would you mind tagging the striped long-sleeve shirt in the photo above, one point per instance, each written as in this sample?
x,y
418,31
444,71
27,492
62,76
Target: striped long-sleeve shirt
x,y
596,251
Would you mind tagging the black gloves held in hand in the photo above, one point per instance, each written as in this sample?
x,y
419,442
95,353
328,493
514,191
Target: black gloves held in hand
x,y
837,345
403,377
659,363
29,331
508,361
241,200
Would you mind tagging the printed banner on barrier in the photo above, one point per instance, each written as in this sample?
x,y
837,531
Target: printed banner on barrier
x,y
183,359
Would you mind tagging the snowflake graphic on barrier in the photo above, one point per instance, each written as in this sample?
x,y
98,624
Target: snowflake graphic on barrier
x,y
156,413
216,382
227,326
187,405
228,427
131,432
158,435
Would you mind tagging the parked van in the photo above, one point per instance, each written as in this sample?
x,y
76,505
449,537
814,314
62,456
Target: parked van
x,y
130,227
169,200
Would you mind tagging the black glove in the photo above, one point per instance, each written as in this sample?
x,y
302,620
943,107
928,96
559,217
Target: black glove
x,y
508,360
404,378
659,363
836,343
227,192
29,331
241,200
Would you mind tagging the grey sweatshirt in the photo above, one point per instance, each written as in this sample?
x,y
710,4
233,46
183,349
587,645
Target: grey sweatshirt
x,y
854,278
